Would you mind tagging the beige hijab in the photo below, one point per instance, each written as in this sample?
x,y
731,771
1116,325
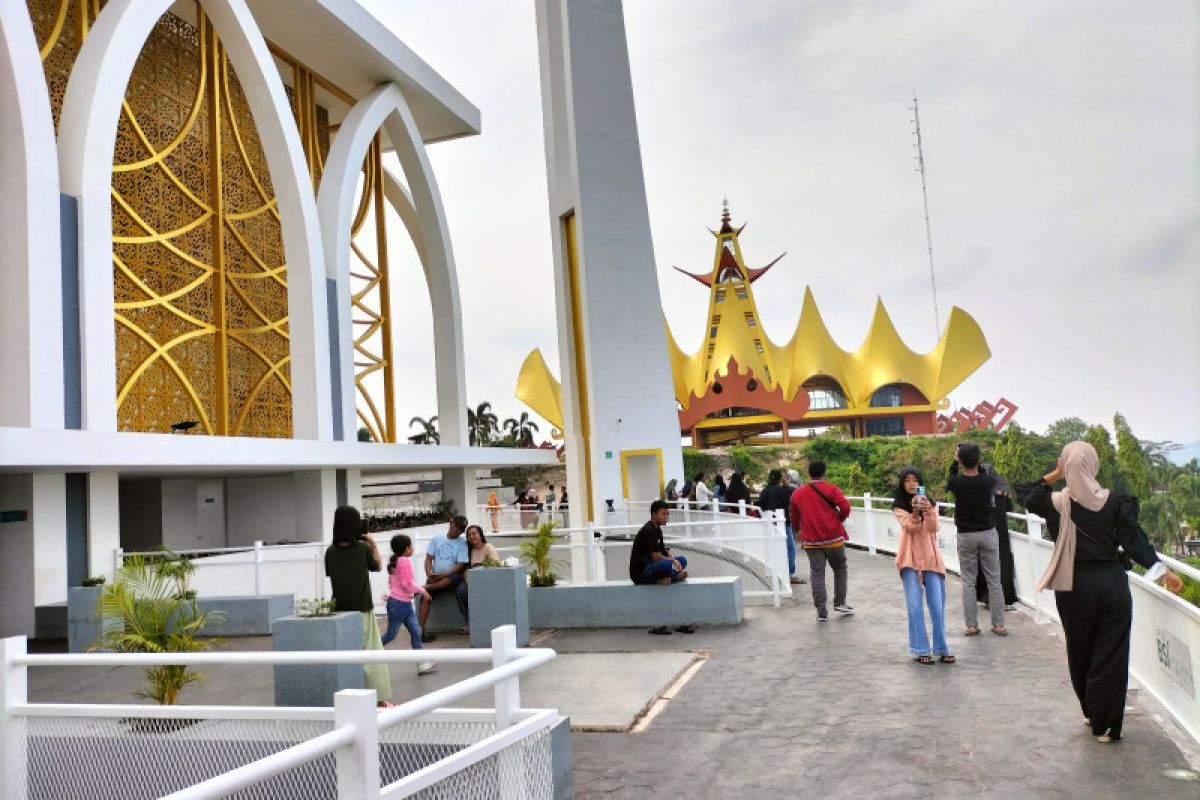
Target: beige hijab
x,y
1080,465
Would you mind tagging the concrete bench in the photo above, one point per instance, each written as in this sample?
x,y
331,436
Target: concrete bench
x,y
621,604
245,615
444,616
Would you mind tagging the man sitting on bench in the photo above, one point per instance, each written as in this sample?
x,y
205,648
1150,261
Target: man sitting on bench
x,y
446,559
651,562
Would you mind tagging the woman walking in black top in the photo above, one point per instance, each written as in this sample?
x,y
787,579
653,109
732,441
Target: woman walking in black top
x,y
1091,590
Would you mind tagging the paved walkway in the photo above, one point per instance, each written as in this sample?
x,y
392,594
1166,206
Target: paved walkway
x,y
785,707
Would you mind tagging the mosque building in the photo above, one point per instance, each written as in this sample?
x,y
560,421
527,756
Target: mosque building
x,y
742,388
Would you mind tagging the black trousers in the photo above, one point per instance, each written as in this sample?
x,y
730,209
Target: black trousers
x,y
1096,618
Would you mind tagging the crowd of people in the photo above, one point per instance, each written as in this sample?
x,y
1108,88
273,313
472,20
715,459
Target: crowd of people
x,y
1095,532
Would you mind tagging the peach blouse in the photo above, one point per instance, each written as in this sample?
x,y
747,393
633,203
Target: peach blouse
x,y
918,542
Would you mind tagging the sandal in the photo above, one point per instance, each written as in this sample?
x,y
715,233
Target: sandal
x,y
948,659
927,660
972,631
999,630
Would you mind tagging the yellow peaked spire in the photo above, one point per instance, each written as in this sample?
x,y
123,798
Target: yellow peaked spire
x,y
734,333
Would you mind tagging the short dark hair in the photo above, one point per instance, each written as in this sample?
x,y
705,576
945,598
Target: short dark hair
x,y
816,469
657,506
347,525
460,521
774,476
968,454
699,476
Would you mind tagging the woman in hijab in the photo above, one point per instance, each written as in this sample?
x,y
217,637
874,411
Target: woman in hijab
x,y
493,509
921,568
1088,523
718,491
671,494
737,490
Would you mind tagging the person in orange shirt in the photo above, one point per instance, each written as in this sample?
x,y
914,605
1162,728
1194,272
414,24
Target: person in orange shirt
x,y
922,570
493,507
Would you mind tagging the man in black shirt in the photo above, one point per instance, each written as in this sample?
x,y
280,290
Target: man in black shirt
x,y
978,541
651,562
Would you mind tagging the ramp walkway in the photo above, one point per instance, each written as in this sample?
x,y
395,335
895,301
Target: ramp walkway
x,y
786,707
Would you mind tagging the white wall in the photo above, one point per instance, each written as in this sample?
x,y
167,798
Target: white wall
x,y
260,509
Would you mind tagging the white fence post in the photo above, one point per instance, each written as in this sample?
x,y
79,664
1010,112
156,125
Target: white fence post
x,y
507,692
869,517
741,508
1033,526
13,692
258,562
593,554
358,764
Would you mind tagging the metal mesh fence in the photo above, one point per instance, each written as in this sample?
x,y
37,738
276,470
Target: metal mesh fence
x,y
96,758
522,769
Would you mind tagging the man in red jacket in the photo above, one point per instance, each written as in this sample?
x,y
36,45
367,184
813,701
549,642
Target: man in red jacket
x,y
817,511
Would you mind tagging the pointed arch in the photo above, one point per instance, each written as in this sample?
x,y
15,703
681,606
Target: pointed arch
x,y
31,302
87,137
423,216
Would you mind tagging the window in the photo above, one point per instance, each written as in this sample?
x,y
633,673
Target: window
x,y
823,398
886,396
711,346
758,345
720,296
740,291
750,319
716,321
885,426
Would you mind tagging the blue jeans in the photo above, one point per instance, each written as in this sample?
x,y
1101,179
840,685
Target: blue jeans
x,y
791,551
401,612
935,598
657,570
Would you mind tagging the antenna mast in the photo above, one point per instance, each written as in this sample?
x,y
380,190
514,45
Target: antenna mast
x,y
916,120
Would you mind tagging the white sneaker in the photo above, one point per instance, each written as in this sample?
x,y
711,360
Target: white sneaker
x,y
426,667
844,608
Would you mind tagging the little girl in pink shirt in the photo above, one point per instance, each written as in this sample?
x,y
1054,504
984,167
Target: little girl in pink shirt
x,y
401,590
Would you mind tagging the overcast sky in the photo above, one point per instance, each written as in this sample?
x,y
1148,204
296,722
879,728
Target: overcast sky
x,y
1061,149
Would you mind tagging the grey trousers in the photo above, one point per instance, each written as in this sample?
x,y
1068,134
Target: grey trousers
x,y
980,550
836,556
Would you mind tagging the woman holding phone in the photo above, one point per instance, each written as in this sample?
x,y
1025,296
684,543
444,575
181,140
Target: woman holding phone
x,y
922,570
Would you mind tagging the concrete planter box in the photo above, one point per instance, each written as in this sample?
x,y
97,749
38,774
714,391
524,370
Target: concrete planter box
x,y
245,615
620,604
315,684
84,624
498,596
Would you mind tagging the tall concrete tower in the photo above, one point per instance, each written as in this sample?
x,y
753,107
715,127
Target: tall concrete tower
x,y
619,409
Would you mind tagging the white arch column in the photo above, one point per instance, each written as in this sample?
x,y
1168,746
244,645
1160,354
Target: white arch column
x,y
87,137
31,301
423,216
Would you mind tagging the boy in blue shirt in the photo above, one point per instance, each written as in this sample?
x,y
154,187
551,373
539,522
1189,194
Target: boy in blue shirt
x,y
445,561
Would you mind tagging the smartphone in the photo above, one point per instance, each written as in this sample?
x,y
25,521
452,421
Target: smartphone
x,y
921,491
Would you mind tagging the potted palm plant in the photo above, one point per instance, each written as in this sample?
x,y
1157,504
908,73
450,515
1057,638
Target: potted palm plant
x,y
150,600
535,552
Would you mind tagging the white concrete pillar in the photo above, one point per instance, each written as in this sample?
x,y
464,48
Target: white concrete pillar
x,y
459,486
103,522
49,515
354,496
315,497
609,309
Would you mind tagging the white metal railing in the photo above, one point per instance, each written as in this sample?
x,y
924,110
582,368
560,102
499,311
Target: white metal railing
x,y
725,544
352,747
1165,641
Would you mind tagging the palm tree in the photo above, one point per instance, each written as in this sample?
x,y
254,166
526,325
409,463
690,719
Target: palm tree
x,y
521,430
429,434
481,424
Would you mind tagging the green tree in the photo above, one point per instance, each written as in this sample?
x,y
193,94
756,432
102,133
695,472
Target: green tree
x,y
482,424
429,432
521,429
1097,436
1132,463
856,481
364,434
1066,430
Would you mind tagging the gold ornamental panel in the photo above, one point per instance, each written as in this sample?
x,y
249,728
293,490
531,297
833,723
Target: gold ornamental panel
x,y
200,279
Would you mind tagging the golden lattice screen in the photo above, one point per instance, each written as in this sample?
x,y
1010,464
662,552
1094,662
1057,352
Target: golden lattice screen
x,y
200,280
